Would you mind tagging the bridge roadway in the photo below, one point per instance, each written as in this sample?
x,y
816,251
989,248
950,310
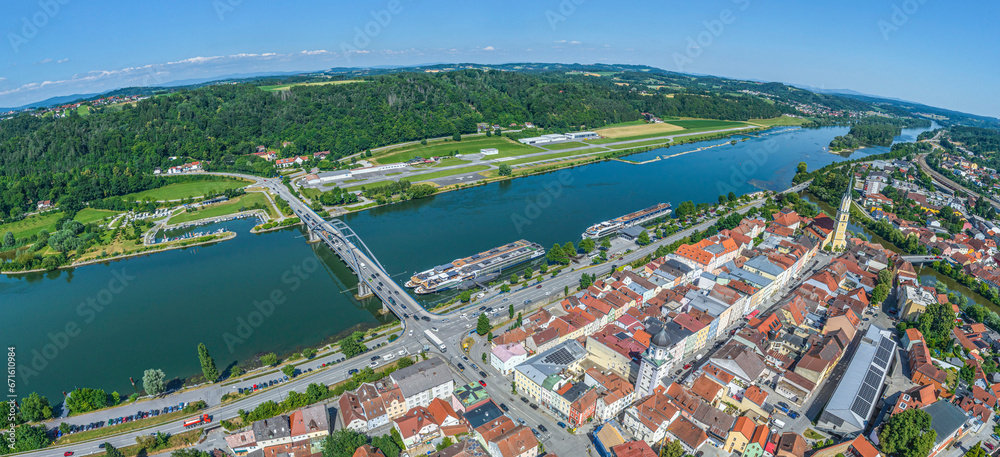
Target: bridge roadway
x,y
918,259
451,328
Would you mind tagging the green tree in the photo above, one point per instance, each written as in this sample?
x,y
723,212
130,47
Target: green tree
x,y
154,381
643,238
457,137
111,451
288,370
569,249
404,362
908,434
484,357
504,288
444,444
269,359
350,347
731,196
505,170
308,353
967,374
207,364
557,255
35,408
465,296
801,168
386,444
976,451
605,244
936,322
520,320
880,293
343,443
8,239
190,452
483,326
510,311
672,448
587,244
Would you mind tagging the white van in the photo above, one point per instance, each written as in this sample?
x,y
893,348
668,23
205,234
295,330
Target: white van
x,y
387,357
779,423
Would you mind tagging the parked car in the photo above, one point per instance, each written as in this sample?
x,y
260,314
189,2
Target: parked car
x,y
504,407
533,406
989,446
482,373
542,428
793,414
460,366
525,400
561,424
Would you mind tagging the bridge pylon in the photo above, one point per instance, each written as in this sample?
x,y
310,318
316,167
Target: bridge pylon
x,y
364,290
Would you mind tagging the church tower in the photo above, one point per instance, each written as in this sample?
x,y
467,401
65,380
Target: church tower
x,y
843,217
655,364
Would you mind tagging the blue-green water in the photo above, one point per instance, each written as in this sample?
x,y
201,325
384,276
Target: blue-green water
x,y
177,299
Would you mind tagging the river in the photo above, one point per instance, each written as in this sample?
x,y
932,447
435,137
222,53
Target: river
x,y
83,328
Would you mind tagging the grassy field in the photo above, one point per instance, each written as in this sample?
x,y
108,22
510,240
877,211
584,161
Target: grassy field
x,y
182,190
222,209
707,124
367,186
32,224
640,129
566,145
457,171
782,120
557,155
507,147
639,144
686,131
289,86
83,110
451,161
88,215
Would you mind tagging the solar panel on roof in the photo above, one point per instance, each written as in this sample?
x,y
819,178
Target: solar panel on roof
x,y
873,378
861,408
867,392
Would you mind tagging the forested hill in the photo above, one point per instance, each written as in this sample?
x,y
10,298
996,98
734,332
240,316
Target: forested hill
x,y
112,153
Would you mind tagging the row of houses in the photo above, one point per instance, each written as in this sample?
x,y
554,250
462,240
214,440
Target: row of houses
x,y
299,433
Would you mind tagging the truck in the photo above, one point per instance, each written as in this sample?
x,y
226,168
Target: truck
x,y
778,423
201,420
435,340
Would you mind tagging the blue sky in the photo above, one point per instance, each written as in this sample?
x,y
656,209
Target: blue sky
x,y
940,53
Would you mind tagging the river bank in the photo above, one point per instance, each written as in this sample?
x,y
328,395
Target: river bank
x,y
181,298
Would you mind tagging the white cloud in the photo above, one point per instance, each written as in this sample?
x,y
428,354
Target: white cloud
x,y
62,61
43,61
574,42
315,53
489,48
559,41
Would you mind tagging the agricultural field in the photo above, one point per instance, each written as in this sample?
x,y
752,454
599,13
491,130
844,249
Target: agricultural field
x,y
438,148
783,120
691,124
189,189
630,131
88,215
679,134
221,209
639,144
32,224
321,83
83,110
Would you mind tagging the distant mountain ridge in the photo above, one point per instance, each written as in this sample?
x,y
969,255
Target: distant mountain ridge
x,y
910,106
